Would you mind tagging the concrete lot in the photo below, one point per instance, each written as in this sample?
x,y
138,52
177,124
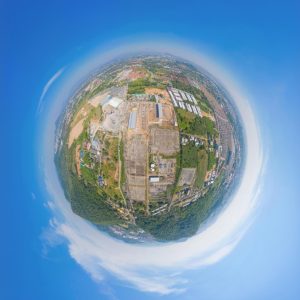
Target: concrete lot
x,y
164,141
153,135
187,176
135,165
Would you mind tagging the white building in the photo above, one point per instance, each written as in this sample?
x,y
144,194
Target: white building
x,y
113,101
154,179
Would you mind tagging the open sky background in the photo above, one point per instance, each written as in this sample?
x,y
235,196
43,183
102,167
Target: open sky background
x,y
257,41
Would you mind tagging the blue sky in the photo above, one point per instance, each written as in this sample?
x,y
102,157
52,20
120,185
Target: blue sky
x,y
257,42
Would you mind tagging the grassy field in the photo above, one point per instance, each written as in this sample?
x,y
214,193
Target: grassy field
x,y
211,160
123,175
109,169
172,189
89,176
201,168
138,86
193,157
189,156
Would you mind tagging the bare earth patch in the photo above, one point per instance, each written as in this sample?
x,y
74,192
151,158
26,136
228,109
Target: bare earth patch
x,y
95,101
187,176
75,132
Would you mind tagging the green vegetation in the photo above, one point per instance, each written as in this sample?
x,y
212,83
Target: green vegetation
x,y
172,188
104,85
109,170
201,168
138,86
87,160
139,208
211,160
204,107
152,98
86,200
193,157
123,175
181,222
89,176
184,118
191,124
189,156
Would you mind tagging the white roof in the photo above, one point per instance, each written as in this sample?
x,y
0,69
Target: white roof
x,y
188,107
183,94
199,111
132,120
113,101
154,179
194,109
193,98
189,97
181,105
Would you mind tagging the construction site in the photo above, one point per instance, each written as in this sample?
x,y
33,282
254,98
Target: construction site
x,y
151,144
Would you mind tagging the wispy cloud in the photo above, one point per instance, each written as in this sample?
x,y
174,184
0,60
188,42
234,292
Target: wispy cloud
x,y
157,268
50,238
46,89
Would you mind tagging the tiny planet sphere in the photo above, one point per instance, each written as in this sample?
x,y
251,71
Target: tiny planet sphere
x,y
149,148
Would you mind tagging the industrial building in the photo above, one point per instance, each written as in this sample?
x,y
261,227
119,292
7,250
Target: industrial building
x,y
158,110
185,101
110,100
154,179
132,120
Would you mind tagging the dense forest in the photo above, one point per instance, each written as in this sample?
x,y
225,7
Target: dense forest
x,y
181,222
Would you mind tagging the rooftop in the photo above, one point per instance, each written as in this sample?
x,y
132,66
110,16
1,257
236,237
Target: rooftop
x,y
113,101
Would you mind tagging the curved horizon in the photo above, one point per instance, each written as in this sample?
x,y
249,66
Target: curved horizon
x,y
94,250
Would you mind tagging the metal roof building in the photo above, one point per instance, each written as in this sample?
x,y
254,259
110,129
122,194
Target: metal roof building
x,y
154,179
158,109
132,120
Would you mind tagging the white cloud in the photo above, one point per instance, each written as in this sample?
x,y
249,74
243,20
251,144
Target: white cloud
x,y
46,89
158,268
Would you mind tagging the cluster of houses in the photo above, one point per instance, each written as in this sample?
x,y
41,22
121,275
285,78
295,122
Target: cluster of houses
x,y
185,139
93,148
211,177
184,100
